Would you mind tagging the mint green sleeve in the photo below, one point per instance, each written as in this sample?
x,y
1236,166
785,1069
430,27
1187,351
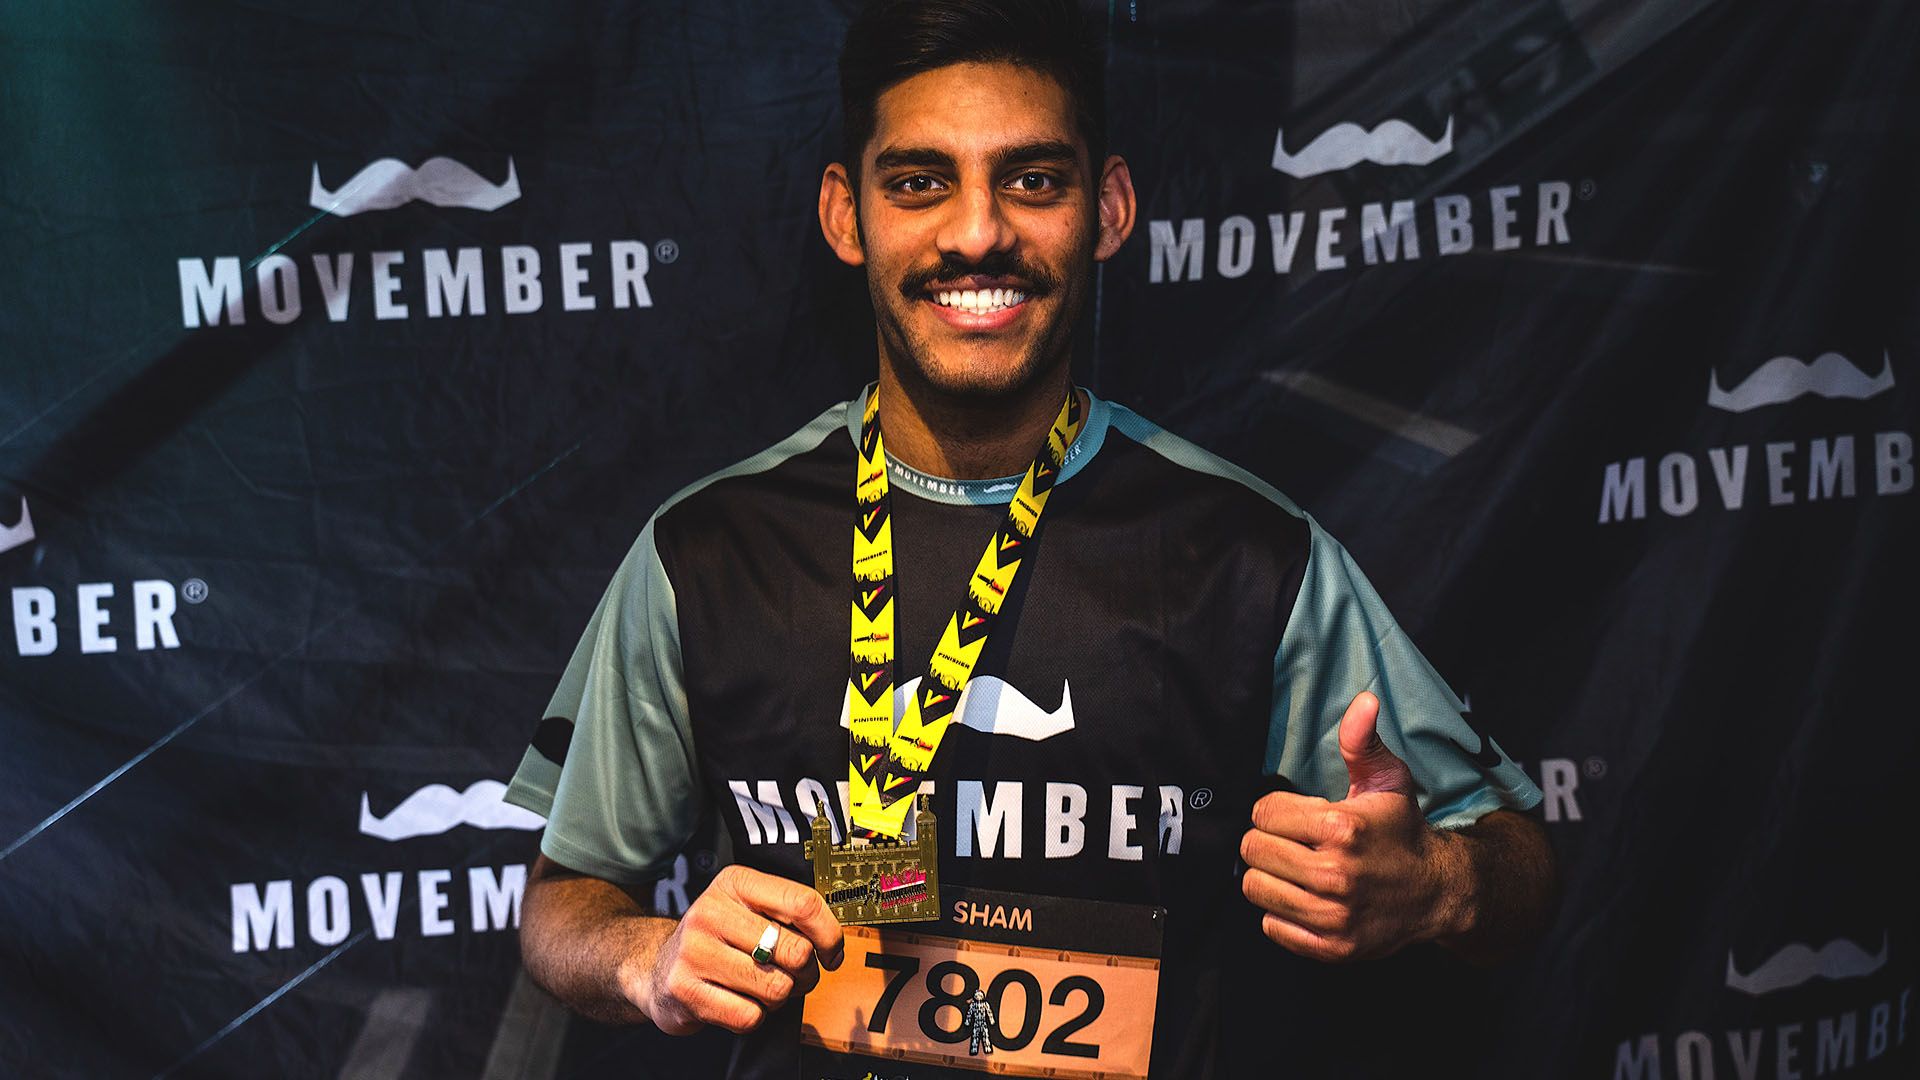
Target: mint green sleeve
x,y
1339,640
624,796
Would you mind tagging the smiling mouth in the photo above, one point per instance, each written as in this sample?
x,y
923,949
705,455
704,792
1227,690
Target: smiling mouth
x,y
978,301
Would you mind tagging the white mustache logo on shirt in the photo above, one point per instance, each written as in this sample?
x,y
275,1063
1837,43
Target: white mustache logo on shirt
x,y
992,705
436,808
1342,146
1797,963
20,532
389,183
1784,378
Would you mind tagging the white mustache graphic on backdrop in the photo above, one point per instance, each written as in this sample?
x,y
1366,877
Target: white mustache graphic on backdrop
x,y
20,532
1785,378
992,705
390,183
436,808
1797,963
1342,146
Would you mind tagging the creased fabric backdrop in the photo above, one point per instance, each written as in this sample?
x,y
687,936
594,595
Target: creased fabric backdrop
x,y
1590,327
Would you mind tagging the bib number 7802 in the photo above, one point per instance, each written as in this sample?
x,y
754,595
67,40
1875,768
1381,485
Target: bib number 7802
x,y
904,966
902,996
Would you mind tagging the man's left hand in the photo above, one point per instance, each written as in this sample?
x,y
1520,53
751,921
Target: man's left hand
x,y
1358,878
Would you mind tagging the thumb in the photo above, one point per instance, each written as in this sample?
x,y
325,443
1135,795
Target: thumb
x,y
1370,765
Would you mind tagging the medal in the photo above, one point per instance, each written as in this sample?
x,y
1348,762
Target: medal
x,y
880,880
886,763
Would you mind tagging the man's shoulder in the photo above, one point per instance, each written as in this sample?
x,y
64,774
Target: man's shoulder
x,y
1197,465
789,462
756,510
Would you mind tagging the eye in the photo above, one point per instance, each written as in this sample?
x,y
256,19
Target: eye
x,y
1034,183
917,184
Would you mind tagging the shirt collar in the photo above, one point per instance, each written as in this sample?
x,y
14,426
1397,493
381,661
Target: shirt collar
x,y
996,491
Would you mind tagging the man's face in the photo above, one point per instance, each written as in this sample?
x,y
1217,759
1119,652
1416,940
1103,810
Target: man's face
x,y
977,210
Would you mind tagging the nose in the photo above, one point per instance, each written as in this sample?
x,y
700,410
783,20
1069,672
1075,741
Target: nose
x,y
976,225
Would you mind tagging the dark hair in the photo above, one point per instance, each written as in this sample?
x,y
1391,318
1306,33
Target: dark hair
x,y
890,41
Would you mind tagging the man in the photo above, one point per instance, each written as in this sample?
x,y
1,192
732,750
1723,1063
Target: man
x,y
1178,638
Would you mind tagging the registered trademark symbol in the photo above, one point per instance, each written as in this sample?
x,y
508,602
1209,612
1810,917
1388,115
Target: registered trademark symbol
x,y
1200,798
666,251
193,590
1588,189
704,860
1596,768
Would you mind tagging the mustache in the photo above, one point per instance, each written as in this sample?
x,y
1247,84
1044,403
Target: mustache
x,y
20,532
990,705
913,285
1797,963
437,808
1785,378
389,183
1342,146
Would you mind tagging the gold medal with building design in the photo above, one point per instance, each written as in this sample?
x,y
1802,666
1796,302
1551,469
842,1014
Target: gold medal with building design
x,y
882,880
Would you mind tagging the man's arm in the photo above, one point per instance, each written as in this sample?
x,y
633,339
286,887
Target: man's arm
x,y
592,944
1366,876
1500,876
589,942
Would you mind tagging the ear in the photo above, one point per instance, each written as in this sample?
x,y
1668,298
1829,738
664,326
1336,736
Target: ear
x,y
1116,208
839,216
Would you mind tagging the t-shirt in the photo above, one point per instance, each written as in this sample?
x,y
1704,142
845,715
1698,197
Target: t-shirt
x,y
1182,640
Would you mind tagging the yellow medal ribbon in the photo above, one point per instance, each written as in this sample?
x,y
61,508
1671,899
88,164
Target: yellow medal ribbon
x,y
886,764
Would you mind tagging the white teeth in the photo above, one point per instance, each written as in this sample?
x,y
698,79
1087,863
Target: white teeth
x,y
979,301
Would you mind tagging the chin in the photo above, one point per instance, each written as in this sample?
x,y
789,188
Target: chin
x,y
979,382
975,371
958,373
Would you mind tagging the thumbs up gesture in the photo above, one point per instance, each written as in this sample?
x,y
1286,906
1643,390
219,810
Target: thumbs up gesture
x,y
1356,878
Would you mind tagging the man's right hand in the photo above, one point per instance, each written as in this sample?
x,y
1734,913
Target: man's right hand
x,y
704,972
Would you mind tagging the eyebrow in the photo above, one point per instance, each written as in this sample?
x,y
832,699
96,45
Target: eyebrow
x,y
1040,152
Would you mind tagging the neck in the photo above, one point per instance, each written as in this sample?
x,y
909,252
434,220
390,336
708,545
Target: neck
x,y
963,438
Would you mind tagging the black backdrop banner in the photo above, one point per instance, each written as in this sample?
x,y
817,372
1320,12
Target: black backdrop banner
x,y
1591,327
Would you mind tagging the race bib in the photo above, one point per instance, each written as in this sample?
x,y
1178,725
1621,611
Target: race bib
x,y
1005,983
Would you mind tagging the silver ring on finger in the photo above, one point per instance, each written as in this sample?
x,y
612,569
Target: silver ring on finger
x,y
763,952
